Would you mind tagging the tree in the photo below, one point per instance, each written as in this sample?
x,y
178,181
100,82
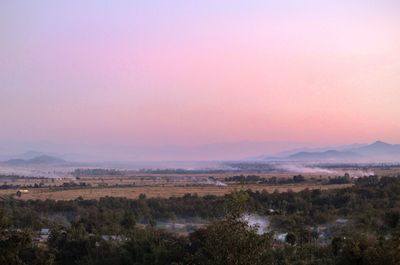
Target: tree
x,y
230,241
291,238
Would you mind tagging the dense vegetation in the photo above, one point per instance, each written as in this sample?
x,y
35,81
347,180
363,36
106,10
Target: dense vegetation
x,y
96,172
272,180
357,225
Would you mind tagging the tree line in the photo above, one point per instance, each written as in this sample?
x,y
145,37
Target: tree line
x,y
124,231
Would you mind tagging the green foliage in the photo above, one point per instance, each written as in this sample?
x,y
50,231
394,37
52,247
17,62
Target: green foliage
x,y
121,231
230,241
16,248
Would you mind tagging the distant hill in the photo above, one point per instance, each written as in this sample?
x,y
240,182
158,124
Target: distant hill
x,y
323,149
332,155
379,148
38,160
45,159
291,152
29,155
376,152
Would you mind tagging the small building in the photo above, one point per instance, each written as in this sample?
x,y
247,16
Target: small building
x,y
44,234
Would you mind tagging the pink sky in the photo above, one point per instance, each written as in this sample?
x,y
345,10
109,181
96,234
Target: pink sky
x,y
200,72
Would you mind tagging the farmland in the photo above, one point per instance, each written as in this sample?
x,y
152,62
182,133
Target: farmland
x,y
97,183
157,191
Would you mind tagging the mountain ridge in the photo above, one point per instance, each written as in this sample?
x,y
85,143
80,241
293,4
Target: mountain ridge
x,y
37,160
377,151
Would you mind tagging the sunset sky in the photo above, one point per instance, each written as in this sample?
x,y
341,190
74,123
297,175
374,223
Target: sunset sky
x,y
157,73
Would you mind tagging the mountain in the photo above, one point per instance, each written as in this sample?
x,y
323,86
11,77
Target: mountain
x,y
376,152
332,155
146,152
45,159
29,155
38,160
312,150
379,148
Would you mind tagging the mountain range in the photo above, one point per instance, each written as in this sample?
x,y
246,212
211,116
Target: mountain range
x,y
36,160
376,152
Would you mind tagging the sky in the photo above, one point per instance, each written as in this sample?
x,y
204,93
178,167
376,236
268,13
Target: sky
x,y
155,74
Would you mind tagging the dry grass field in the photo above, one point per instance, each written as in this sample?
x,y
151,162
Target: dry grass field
x,y
158,191
164,185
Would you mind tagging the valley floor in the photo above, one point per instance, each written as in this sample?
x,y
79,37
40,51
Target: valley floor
x,y
164,191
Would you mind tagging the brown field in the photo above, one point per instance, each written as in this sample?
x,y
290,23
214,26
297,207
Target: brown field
x,y
158,191
164,185
149,179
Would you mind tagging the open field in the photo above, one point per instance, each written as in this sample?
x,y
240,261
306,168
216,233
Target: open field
x,y
158,191
188,178
144,179
131,184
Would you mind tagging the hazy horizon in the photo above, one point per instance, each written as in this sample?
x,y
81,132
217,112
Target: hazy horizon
x,y
197,80
202,152
239,151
